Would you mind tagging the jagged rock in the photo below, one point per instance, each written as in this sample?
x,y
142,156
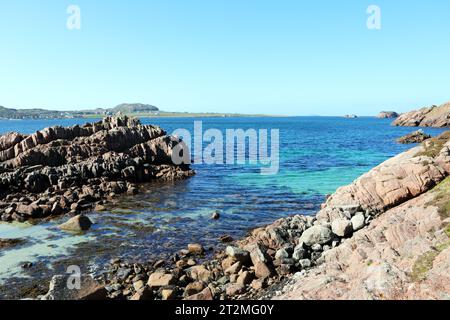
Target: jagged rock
x,y
245,278
194,288
260,261
435,116
414,137
96,160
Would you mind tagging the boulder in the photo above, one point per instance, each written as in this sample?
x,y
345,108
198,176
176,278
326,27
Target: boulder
x,y
195,248
316,234
200,273
76,224
238,254
358,221
342,227
205,295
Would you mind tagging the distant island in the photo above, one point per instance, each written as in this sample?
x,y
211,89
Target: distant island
x,y
130,109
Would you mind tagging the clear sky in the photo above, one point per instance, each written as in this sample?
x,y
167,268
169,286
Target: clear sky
x,y
250,56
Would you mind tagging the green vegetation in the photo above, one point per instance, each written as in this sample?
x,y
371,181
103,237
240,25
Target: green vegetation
x,y
434,145
442,198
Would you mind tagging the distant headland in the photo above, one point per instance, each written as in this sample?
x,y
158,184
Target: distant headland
x,y
130,109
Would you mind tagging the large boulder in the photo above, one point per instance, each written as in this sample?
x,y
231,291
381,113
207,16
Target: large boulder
x,y
316,235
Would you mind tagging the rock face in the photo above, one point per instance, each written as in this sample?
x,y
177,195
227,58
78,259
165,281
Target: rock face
x,y
59,169
414,137
395,181
388,115
435,116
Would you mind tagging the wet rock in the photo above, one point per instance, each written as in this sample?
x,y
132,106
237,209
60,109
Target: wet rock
x,y
27,265
226,238
316,234
215,215
100,208
8,243
76,224
195,248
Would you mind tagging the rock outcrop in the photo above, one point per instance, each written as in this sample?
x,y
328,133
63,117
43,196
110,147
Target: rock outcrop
x,y
388,115
435,116
60,169
414,137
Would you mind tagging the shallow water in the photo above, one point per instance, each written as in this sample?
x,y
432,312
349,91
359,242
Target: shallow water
x,y
317,155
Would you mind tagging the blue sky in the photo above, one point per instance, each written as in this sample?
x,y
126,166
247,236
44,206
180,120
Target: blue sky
x,y
250,56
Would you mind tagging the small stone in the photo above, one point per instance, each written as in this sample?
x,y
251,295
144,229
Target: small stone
x,y
200,273
215,215
238,254
158,264
27,265
234,269
195,248
100,208
205,295
282,253
138,285
226,238
234,289
258,284
194,288
316,247
168,294
191,262
160,279
342,227
245,278
358,221
144,294
305,263
76,224
299,254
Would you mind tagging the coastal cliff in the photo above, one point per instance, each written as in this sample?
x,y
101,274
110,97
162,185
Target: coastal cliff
x,y
435,116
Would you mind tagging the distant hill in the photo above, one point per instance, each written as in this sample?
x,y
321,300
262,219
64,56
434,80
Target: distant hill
x,y
134,108
126,108
7,113
434,116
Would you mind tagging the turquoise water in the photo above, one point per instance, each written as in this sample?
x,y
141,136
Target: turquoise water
x,y
317,155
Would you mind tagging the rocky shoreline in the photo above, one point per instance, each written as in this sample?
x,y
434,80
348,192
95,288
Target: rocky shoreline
x,y
307,255
62,170
434,116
